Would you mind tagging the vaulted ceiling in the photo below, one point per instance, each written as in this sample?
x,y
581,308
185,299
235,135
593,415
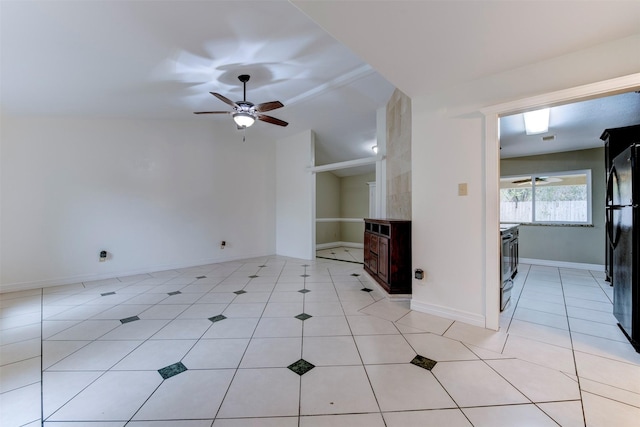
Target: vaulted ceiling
x,y
332,63
160,60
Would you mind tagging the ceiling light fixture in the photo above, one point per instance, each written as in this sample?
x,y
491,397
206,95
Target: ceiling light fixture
x,y
243,120
375,149
536,121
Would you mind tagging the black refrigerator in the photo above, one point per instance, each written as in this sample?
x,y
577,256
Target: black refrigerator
x,y
623,233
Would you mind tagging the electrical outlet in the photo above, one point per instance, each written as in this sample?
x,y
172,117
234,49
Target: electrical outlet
x,y
462,189
223,244
103,256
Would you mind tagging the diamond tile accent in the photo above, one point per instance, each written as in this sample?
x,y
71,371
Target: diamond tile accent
x,y
366,290
303,316
108,293
301,367
217,318
174,293
253,276
424,362
201,277
304,291
172,370
262,266
240,292
129,319
333,253
355,274
305,265
304,275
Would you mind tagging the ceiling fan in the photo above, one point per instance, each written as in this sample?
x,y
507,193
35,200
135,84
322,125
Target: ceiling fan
x,y
245,113
539,180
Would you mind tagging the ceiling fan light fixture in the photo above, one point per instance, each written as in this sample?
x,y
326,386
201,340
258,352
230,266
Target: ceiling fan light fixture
x,y
243,120
536,121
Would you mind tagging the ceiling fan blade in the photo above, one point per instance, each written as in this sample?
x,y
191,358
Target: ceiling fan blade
x,y
272,120
212,112
268,106
224,99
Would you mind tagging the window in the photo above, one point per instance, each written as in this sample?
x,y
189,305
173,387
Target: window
x,y
550,198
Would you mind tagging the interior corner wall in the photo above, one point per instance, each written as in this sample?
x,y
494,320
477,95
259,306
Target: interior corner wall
x,y
398,156
155,194
564,243
354,195
327,206
295,196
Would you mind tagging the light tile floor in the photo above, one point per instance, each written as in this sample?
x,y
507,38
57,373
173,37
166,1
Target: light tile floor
x,y
342,253
231,344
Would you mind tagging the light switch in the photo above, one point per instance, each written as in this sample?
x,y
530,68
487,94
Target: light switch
x,y
462,189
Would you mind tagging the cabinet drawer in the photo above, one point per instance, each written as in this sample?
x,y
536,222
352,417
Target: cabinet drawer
x,y
373,243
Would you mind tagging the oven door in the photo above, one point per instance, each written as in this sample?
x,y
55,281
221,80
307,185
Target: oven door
x,y
507,264
505,294
507,270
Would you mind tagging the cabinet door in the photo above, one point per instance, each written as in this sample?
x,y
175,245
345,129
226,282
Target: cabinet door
x,y
373,263
373,243
383,258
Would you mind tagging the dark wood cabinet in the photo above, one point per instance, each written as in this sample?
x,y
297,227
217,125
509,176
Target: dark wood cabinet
x,y
387,253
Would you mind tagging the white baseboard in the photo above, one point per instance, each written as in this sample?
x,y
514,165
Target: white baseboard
x,y
449,313
330,245
562,264
46,283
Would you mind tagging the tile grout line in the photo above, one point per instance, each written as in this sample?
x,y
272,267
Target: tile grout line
x,y
304,301
247,347
126,355
375,396
192,304
41,356
196,341
573,354
108,369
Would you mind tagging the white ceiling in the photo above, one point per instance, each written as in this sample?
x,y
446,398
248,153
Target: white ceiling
x,y
576,126
159,59
425,46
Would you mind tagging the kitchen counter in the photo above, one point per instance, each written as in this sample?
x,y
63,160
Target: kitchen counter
x,y
506,227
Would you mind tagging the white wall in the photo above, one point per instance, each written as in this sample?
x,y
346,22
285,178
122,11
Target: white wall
x,y
354,203
447,229
327,206
154,194
295,196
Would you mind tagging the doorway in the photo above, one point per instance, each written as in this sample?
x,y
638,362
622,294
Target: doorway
x,y
492,163
342,202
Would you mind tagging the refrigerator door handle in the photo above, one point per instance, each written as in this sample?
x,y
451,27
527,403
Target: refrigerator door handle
x,y
613,227
609,225
609,195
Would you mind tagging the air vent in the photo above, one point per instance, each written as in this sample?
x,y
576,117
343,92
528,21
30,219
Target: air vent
x,y
549,138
